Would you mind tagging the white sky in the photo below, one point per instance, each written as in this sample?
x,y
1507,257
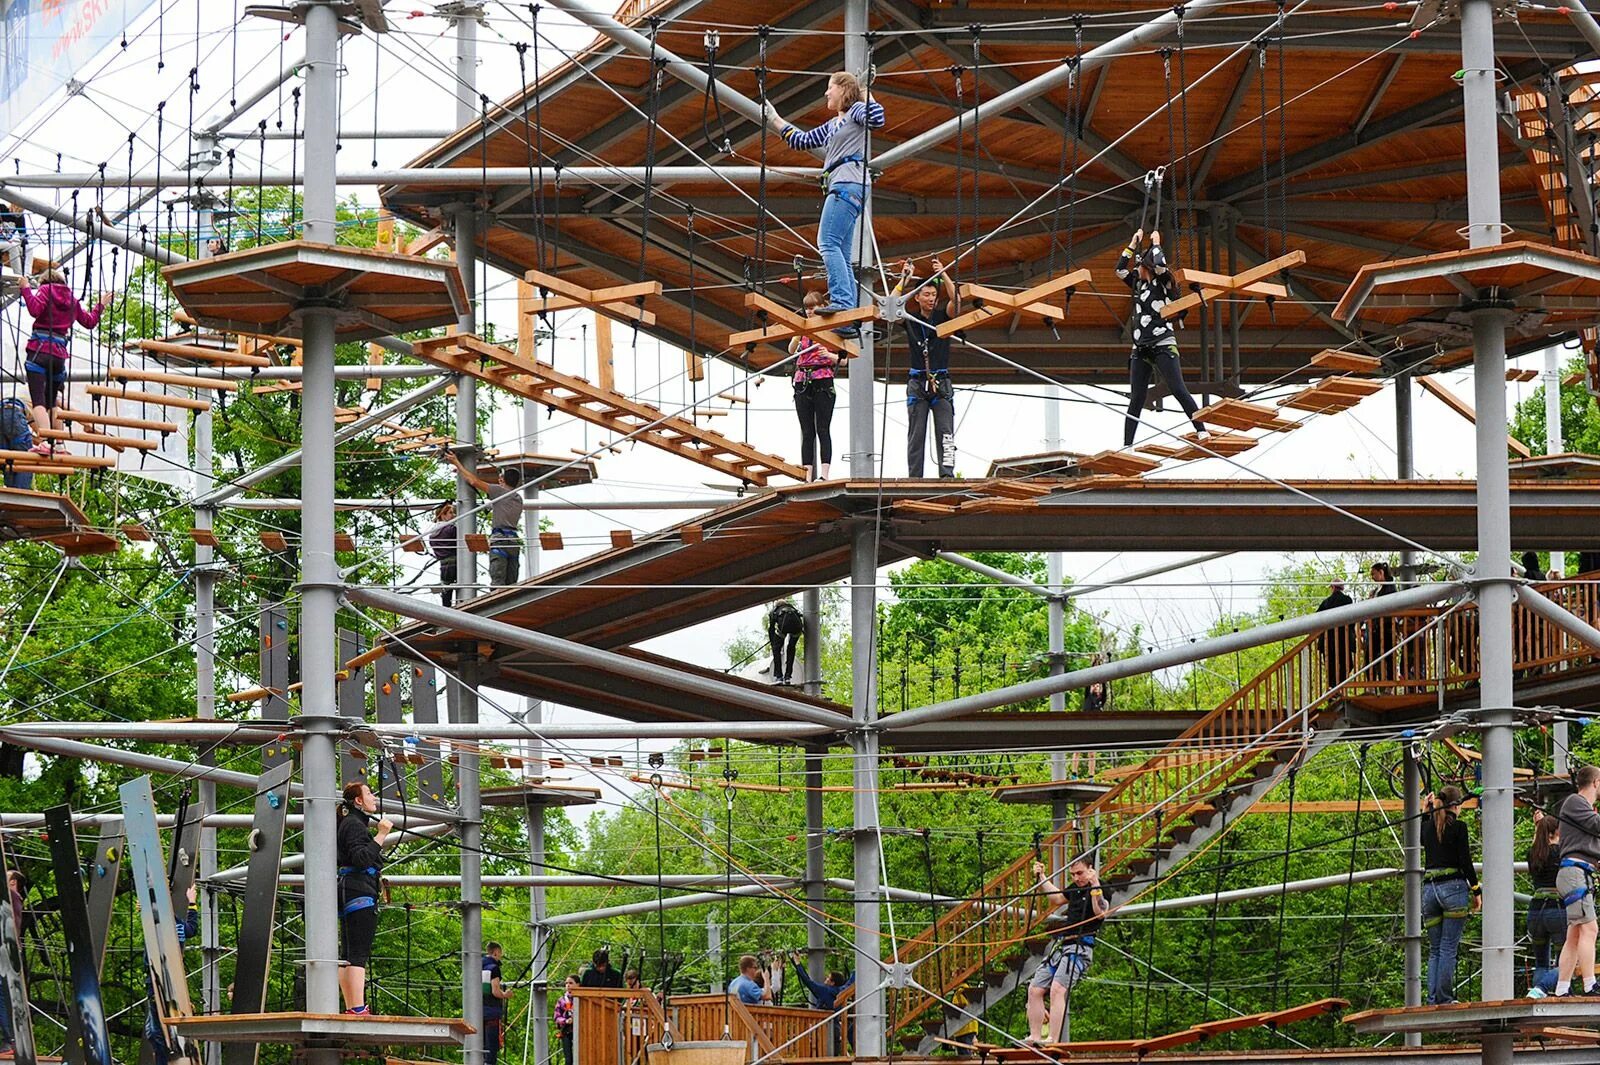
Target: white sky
x,y
416,78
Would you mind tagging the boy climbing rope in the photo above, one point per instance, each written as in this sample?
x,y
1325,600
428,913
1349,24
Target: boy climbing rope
x,y
1080,910
929,392
1155,348
843,141
1580,853
55,309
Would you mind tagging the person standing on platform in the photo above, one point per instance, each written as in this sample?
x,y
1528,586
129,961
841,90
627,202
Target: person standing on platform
x,y
441,540
55,311
1081,910
360,859
1530,567
494,998
1580,854
843,141
1381,664
1336,641
17,887
505,519
929,393
1450,890
814,397
564,1016
15,435
785,626
601,973
1155,346
745,986
1547,918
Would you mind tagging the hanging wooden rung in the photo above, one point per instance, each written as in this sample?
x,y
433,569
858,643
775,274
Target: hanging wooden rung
x,y
153,398
343,542
136,532
273,540
477,542
116,420
1521,375
1232,284
1119,463
1238,414
276,388
783,324
619,300
115,443
81,462
996,303
621,539
204,537
125,373
1347,361
200,354
551,541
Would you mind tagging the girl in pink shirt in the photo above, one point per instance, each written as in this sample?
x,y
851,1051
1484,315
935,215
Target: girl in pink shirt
x,y
814,396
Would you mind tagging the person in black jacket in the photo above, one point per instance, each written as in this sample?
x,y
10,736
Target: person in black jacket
x,y
785,626
1547,918
360,859
1449,889
1336,642
1155,347
601,973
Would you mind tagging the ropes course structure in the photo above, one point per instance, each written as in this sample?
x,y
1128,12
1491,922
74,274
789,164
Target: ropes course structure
x,y
234,394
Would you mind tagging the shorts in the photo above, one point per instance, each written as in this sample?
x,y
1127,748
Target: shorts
x,y
1065,968
1570,879
45,386
358,929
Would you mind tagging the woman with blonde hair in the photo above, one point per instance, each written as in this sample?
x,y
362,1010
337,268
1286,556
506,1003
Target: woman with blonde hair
x,y
843,142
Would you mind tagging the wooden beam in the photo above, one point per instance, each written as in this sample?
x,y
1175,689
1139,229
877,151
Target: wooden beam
x,y
116,420
154,398
789,324
1237,283
1463,408
606,370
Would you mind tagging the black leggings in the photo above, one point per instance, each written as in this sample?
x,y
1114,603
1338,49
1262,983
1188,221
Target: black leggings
x,y
814,405
1145,360
360,927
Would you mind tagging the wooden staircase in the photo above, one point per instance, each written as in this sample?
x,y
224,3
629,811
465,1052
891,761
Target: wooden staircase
x,y
611,410
1168,807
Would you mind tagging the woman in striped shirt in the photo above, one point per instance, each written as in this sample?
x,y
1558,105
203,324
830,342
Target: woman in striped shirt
x,y
814,396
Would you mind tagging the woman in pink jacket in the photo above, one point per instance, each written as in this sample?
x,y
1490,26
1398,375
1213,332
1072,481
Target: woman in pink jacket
x,y
55,310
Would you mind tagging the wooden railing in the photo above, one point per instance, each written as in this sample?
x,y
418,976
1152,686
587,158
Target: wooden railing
x,y
1399,655
613,1027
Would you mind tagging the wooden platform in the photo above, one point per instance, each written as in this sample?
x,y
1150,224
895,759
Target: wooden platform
x,y
45,517
573,471
1566,466
613,411
538,794
1518,1015
374,293
1545,291
1044,464
1049,791
324,1029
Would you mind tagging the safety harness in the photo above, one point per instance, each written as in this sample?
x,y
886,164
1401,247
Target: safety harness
x,y
1579,895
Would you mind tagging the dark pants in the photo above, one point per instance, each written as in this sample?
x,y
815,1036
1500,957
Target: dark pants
x,y
1547,931
360,927
16,435
566,1045
505,561
940,403
46,384
814,406
447,578
1147,361
491,1040
1337,650
783,666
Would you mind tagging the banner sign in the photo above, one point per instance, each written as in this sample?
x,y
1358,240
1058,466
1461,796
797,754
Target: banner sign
x,y
48,43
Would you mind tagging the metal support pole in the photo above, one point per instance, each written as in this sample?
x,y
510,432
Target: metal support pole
x,y
1579,13
870,1003
816,930
476,178
466,224
1056,609
1479,74
319,574
1412,861
1404,449
205,686
811,607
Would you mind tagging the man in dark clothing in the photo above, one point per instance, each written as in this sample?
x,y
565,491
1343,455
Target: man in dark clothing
x,y
1337,642
494,998
929,391
785,625
17,885
154,1034
1080,910
360,861
1580,855
600,973
1530,566
441,540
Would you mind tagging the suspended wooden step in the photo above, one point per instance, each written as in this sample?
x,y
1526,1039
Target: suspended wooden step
x,y
403,434
115,443
993,303
1220,444
621,539
1347,361
199,353
1332,395
609,410
1160,451
273,541
136,532
1251,282
276,388
1119,463
124,373
551,541
1238,414
116,420
343,542
424,444
783,324
322,1030
617,301
204,537
1522,376
157,399
52,462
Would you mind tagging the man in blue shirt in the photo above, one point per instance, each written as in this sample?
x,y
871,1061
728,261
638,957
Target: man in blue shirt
x,y
744,985
494,998
823,995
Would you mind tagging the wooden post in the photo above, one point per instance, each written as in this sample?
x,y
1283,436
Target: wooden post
x,y
602,347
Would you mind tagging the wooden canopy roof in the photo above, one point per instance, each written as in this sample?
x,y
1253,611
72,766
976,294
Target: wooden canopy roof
x,y
1371,158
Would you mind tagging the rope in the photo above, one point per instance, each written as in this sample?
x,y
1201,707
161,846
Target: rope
x,y
1155,881
1216,901
1283,896
1349,884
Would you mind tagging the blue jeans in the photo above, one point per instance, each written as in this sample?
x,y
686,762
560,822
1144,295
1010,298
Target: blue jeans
x,y
1547,931
841,209
1445,906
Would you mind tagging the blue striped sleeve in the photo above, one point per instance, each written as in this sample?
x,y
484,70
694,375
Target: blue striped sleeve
x,y
813,138
867,114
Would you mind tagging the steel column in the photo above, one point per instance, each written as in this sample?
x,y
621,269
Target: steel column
x,y
319,573
1412,894
816,928
1056,608
1479,74
205,685
1404,449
